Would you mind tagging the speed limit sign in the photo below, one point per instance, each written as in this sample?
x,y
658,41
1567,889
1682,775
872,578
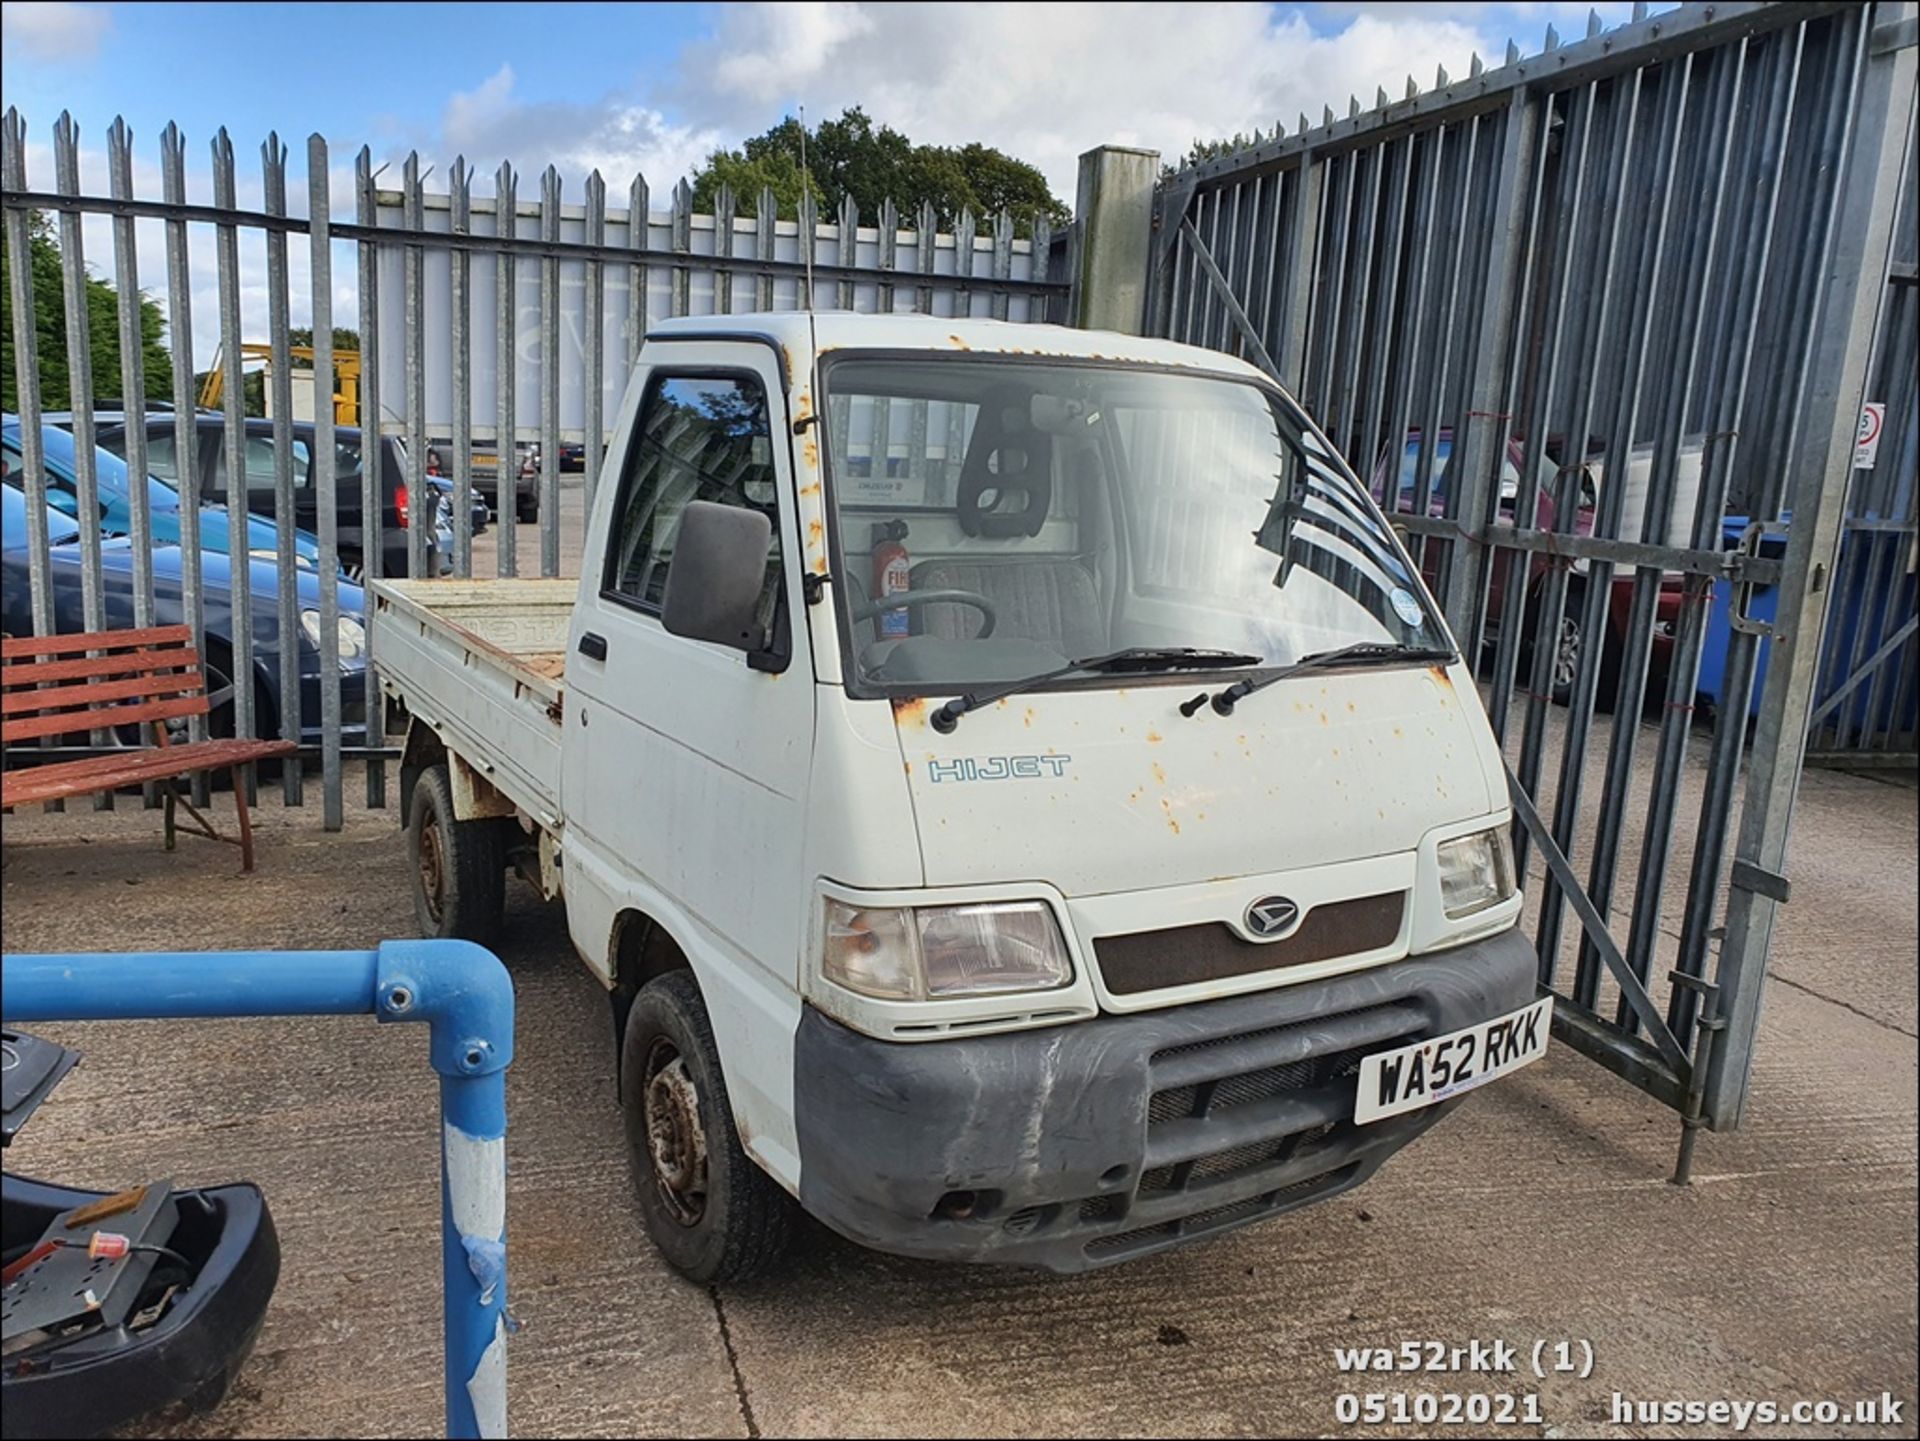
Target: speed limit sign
x,y
1866,447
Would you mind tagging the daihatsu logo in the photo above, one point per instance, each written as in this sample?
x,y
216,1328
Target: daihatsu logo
x,y
1270,916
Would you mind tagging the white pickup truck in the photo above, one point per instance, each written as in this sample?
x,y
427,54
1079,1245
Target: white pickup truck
x,y
1018,793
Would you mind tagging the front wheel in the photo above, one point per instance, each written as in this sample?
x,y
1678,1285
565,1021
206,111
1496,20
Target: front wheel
x,y
1570,641
459,867
713,1213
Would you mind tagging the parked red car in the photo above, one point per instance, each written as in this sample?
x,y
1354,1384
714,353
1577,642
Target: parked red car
x,y
1571,640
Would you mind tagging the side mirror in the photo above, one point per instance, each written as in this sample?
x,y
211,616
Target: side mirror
x,y
63,501
719,569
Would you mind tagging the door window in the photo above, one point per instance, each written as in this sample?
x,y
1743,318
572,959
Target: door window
x,y
258,459
697,438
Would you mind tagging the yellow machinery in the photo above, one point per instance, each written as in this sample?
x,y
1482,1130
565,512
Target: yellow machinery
x,y
346,371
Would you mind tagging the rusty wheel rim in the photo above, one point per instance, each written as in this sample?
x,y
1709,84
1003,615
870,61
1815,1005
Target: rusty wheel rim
x,y
676,1141
433,871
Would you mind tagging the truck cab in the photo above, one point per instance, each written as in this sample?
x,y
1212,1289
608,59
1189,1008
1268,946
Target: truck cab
x,y
1021,798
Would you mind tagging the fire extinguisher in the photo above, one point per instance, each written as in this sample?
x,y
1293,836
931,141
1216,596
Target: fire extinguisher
x,y
891,575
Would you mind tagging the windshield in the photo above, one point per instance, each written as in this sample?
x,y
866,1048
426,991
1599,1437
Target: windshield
x,y
997,518
109,470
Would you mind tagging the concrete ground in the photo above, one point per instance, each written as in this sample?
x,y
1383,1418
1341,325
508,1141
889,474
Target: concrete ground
x,y
1540,1212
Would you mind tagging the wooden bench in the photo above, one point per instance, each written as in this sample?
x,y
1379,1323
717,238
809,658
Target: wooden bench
x,y
103,680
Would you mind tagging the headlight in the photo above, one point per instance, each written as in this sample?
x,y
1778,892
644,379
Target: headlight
x,y
348,632
1476,871
908,954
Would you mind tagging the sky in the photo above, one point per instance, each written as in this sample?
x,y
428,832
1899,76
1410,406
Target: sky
x,y
657,87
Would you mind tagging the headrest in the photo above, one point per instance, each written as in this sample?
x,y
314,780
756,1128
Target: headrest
x,y
1006,481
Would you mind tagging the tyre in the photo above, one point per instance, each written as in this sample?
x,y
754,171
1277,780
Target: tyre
x,y
1571,642
459,867
526,509
713,1213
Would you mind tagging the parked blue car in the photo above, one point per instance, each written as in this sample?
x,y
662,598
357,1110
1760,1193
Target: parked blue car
x,y
218,576
115,487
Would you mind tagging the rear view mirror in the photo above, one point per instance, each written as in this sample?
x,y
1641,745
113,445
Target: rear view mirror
x,y
714,582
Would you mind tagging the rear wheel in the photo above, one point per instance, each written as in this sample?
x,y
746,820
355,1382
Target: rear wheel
x,y
459,867
526,509
713,1213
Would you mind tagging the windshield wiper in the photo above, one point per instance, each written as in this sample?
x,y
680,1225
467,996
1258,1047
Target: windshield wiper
x,y
1135,658
1366,652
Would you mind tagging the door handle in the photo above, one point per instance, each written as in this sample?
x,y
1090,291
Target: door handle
x,y
592,646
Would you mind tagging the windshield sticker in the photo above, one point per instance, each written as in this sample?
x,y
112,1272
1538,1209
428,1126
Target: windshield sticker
x,y
1408,608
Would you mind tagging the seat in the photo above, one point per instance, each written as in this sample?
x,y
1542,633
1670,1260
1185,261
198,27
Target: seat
x,y
1050,600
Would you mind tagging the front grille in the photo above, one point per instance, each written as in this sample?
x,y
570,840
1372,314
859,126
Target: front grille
x,y
1280,1100
1187,955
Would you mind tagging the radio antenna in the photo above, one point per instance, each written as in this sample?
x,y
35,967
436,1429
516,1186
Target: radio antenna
x,y
806,186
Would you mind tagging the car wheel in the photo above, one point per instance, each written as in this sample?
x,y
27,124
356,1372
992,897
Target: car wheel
x,y
713,1213
1571,642
459,867
526,510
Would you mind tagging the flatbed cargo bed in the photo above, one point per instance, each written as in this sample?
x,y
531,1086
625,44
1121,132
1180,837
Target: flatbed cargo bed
x,y
484,664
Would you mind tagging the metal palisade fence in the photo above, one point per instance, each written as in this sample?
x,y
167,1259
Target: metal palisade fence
x,y
1597,325
494,334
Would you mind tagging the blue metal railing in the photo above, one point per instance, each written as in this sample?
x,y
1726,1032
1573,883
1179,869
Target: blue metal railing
x,y
463,994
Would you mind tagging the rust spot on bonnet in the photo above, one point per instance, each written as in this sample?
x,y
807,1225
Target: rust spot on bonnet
x,y
1154,737
1158,774
910,710
1027,719
958,343
1167,806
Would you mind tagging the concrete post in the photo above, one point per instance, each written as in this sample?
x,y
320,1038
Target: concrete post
x,y
1113,239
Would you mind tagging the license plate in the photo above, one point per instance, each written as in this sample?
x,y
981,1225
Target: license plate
x,y
1428,1072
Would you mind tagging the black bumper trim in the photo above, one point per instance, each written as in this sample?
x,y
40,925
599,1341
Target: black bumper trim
x,y
1096,1141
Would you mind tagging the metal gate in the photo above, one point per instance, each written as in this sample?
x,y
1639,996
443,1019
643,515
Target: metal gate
x,y
1597,325
485,324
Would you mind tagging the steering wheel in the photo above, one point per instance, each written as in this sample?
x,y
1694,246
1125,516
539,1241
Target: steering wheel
x,y
908,599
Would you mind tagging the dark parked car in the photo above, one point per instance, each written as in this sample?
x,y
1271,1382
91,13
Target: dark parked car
x,y
217,578
1571,641
210,453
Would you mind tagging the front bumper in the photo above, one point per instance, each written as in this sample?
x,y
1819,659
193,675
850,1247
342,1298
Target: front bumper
x,y
1087,1144
353,709
111,1378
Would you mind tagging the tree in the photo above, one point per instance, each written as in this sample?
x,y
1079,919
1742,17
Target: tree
x,y
50,329
850,156
343,339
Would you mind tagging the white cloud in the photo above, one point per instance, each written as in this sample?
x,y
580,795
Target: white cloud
x,y
1045,82
52,30
616,135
